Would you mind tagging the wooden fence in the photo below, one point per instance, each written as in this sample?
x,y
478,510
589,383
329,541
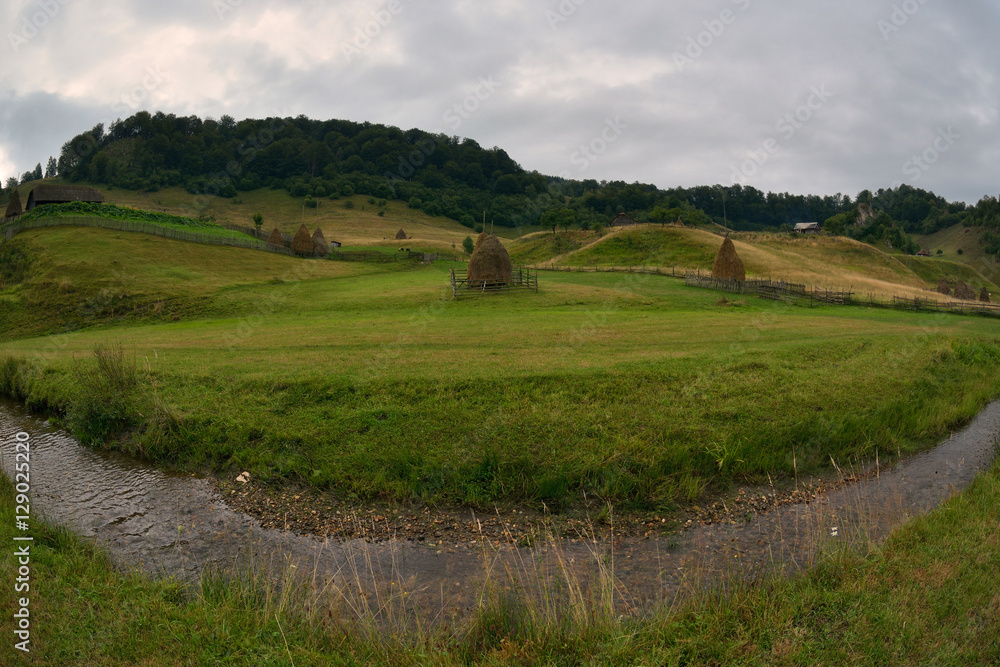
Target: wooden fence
x,y
800,295
524,278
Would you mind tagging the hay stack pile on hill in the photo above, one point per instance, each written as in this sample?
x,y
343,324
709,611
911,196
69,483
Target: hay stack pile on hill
x,y
944,288
320,247
14,207
984,296
276,238
728,264
400,235
302,243
964,292
490,263
479,239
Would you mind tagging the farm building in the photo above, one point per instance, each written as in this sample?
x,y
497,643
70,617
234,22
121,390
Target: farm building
x,y
623,220
807,228
923,253
62,194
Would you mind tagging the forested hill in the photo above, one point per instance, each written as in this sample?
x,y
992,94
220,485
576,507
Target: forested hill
x,y
445,175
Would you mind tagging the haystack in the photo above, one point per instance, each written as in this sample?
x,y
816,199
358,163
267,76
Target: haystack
x,y
479,239
302,244
276,238
728,264
944,288
984,296
400,235
490,264
14,207
962,291
320,247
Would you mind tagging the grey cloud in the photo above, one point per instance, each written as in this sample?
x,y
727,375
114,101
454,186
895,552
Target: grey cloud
x,y
558,86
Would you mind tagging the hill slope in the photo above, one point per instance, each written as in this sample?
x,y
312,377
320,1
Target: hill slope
x,y
825,261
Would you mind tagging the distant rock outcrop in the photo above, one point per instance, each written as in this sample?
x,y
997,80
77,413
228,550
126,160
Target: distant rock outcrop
x,y
865,215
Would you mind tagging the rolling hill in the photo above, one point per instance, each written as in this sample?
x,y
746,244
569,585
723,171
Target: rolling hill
x,y
826,261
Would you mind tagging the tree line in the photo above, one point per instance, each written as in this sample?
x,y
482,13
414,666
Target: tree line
x,y
456,177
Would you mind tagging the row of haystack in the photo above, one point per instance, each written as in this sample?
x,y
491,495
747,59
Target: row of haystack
x,y
303,243
963,291
490,263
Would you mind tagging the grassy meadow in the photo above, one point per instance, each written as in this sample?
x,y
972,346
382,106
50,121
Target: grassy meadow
x,y
369,381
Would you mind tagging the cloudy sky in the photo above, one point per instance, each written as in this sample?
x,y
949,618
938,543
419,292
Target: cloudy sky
x,y
815,96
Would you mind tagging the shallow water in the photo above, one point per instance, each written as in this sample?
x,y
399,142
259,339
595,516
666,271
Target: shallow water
x,y
177,525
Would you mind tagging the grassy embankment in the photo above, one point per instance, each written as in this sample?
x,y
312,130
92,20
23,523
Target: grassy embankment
x,y
367,381
927,596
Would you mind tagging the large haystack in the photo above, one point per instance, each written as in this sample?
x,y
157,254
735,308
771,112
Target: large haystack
x,y
14,207
490,264
944,288
302,243
400,235
276,238
964,292
320,247
728,264
984,296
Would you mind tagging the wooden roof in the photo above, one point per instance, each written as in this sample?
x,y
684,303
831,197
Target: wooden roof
x,y
622,220
61,194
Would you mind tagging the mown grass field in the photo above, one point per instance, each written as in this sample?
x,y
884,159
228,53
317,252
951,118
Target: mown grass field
x,y
370,382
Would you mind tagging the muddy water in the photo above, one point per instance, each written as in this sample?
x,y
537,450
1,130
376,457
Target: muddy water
x,y
177,525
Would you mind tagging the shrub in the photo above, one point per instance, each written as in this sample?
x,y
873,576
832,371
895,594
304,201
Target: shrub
x,y
112,397
349,203
468,244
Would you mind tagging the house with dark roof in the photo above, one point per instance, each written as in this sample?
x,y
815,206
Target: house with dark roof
x,y
807,228
623,220
62,194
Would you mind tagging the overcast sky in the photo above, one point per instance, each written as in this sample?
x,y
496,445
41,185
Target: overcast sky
x,y
815,96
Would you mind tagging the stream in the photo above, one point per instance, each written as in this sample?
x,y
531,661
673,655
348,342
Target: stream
x,y
177,525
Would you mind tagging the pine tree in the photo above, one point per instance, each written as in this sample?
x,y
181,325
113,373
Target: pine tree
x,y
52,168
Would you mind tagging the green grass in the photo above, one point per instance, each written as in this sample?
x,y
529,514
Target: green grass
x,y
369,382
932,270
970,241
927,596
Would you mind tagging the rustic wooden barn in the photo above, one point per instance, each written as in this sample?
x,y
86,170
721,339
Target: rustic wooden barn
x,y
807,228
62,194
623,220
923,253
